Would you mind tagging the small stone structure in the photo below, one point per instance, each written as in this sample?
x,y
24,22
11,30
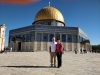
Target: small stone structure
x,y
2,36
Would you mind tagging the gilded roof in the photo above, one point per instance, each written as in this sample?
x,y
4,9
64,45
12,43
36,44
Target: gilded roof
x,y
48,13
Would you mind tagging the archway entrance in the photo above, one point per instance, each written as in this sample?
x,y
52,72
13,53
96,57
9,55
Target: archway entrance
x,y
19,46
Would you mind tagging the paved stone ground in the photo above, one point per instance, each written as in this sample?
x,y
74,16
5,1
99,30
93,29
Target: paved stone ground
x,y
37,63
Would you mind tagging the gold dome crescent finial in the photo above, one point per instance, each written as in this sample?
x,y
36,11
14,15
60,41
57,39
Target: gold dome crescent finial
x,y
49,4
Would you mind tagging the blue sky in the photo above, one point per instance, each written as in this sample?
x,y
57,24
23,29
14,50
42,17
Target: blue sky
x,y
84,14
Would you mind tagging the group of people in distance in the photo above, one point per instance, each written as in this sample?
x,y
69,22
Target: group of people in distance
x,y
6,50
55,49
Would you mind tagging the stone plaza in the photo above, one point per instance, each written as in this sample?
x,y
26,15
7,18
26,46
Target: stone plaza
x,y
38,63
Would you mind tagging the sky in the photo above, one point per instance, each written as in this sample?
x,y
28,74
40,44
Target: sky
x,y
84,14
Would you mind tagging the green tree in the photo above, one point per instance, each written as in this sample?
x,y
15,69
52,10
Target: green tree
x,y
96,47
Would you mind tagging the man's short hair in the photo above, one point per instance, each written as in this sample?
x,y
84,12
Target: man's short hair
x,y
53,37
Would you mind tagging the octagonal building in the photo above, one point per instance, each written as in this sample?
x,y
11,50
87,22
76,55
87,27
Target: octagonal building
x,y
48,23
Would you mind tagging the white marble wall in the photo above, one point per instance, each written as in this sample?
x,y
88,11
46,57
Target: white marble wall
x,y
31,46
38,46
27,46
78,47
44,46
70,46
64,45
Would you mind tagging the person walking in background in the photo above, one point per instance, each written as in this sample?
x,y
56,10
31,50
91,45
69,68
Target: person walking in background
x,y
75,51
52,49
11,49
5,50
81,51
59,52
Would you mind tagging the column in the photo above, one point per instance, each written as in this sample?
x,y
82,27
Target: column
x,y
66,48
35,42
48,42
63,43
82,46
32,41
86,46
41,41
13,46
22,46
25,45
48,37
55,35
29,46
78,43
60,37
72,42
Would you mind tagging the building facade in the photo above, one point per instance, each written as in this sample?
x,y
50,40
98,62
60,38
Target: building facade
x,y
2,36
48,23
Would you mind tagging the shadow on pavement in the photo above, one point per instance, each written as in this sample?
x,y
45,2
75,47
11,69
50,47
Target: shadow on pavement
x,y
29,66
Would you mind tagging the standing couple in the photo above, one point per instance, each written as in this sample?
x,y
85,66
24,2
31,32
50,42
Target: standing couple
x,y
55,49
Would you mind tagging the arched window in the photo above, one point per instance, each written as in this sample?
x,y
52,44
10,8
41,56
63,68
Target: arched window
x,y
80,38
63,38
57,36
75,38
13,39
45,37
38,37
49,23
24,38
51,36
27,38
32,38
69,38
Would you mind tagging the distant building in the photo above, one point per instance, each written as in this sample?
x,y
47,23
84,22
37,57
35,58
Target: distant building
x,y
48,23
2,36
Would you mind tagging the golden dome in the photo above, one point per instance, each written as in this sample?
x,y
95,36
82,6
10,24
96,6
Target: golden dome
x,y
49,13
